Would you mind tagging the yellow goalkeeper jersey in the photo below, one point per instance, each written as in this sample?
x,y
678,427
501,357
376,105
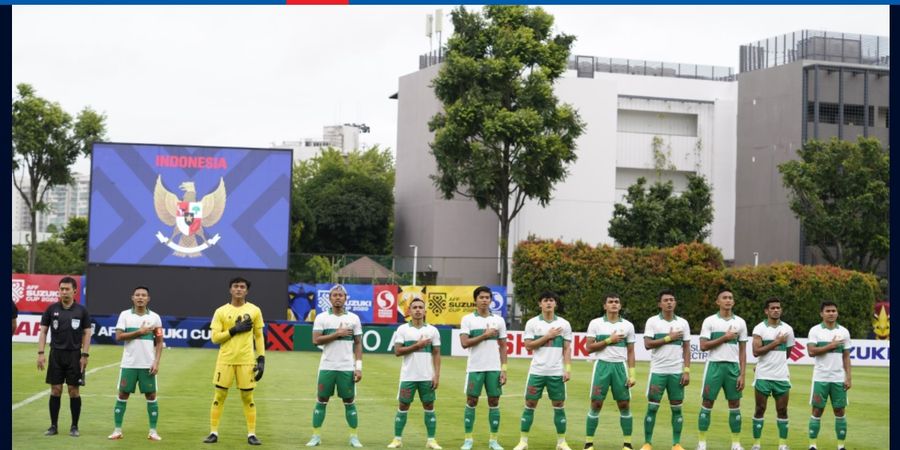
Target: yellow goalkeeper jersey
x,y
238,349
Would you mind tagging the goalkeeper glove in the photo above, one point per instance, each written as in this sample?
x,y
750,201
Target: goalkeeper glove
x,y
260,367
241,326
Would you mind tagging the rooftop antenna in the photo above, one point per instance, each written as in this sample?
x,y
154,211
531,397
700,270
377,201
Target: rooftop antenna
x,y
438,27
428,23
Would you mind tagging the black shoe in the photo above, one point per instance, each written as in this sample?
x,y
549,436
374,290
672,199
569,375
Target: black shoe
x,y
74,432
253,440
627,445
51,431
211,439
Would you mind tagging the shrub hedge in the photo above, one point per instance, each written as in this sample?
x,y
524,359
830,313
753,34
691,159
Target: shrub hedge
x,y
582,275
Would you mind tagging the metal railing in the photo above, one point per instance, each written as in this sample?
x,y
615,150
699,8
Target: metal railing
x,y
586,66
816,45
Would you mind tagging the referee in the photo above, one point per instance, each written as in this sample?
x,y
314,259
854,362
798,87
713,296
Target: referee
x,y
70,340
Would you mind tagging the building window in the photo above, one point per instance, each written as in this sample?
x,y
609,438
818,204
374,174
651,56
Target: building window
x,y
828,112
854,114
884,116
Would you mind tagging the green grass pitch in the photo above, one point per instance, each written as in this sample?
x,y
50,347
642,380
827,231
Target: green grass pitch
x,y
285,401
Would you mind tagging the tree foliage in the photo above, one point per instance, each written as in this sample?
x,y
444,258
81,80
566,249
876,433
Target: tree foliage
x,y
344,203
655,217
839,190
64,253
503,137
46,141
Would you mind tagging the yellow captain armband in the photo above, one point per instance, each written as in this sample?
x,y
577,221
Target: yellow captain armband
x,y
568,367
667,339
608,340
503,367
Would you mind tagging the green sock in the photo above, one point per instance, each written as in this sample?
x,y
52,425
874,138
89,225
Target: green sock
x,y
703,421
677,423
650,421
119,412
626,422
734,420
469,417
318,417
152,413
840,428
814,424
527,419
593,419
494,418
350,414
399,423
757,428
559,419
782,428
430,423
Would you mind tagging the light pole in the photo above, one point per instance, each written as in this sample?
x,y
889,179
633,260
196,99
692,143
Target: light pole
x,y
415,260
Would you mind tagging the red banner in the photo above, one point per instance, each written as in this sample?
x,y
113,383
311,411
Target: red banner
x,y
34,293
384,304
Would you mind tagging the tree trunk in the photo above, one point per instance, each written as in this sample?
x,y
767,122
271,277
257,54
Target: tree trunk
x,y
504,250
32,241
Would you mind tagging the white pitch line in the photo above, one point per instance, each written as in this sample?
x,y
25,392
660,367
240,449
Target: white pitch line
x,y
47,392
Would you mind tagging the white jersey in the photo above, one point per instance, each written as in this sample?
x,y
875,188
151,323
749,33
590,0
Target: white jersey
x,y
139,352
715,327
773,365
547,360
337,354
484,356
667,358
829,367
600,329
417,366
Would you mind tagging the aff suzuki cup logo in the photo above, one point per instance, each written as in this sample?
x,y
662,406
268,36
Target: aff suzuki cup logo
x,y
496,302
324,301
18,290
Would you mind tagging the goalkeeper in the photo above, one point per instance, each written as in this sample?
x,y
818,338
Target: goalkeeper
x,y
238,328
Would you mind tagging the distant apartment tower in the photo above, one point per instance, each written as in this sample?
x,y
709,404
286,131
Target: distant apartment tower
x,y
342,137
633,109
64,202
793,88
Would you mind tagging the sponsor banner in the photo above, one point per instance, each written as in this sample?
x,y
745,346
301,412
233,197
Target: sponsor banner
x,y
34,293
446,305
375,339
385,303
865,352
359,299
27,328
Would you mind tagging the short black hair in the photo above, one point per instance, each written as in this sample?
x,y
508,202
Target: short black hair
x,y
417,299
141,287
827,303
611,295
771,300
69,280
481,289
723,289
549,294
236,280
664,292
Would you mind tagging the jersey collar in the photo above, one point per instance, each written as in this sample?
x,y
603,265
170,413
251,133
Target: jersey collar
x,y
541,318
146,312
730,318
607,320
836,326
674,317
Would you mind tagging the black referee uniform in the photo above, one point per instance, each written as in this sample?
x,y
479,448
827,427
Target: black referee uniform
x,y
66,327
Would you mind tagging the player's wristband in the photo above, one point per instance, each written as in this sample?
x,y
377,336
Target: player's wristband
x,y
631,373
503,367
84,354
687,370
608,340
568,367
359,365
667,339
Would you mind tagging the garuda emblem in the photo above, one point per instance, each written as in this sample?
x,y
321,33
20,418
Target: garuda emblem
x,y
188,217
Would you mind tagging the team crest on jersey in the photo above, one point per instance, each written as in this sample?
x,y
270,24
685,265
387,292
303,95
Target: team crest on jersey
x,y
75,323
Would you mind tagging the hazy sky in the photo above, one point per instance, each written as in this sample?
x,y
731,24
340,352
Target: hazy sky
x,y
254,75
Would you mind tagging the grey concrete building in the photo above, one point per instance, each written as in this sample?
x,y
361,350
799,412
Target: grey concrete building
x,y
795,87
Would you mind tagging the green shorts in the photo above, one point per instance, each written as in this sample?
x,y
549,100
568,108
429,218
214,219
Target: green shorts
x,y
407,391
772,387
661,383
340,379
129,378
822,390
490,380
556,388
610,375
721,375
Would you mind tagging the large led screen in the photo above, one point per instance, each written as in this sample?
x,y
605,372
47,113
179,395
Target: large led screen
x,y
164,205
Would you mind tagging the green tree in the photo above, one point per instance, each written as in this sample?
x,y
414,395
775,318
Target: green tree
x,y
345,203
655,217
839,190
503,137
46,141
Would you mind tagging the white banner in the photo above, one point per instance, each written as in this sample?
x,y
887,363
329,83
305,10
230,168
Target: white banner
x,y
27,328
865,352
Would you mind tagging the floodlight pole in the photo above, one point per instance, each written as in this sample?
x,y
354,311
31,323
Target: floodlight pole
x,y
415,260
